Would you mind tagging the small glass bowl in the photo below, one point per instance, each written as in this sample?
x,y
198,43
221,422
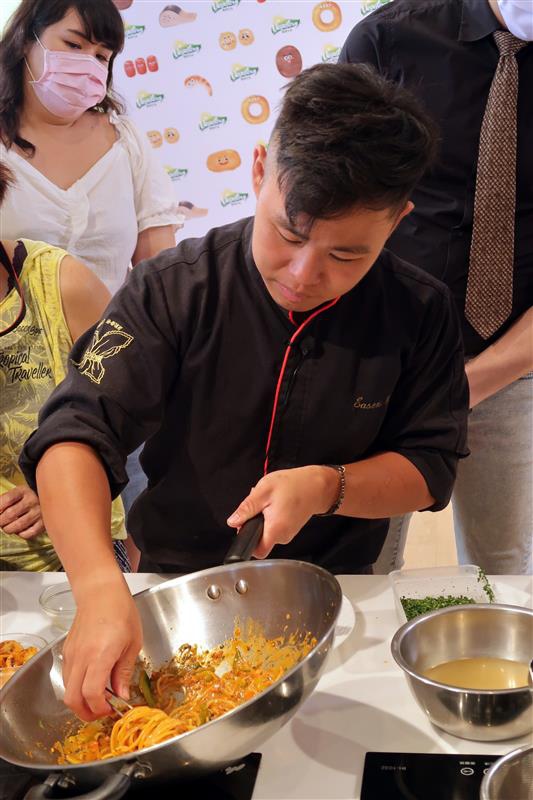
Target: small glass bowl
x,y
25,640
57,601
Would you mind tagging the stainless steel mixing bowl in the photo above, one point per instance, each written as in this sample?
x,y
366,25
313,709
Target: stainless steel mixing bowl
x,y
497,631
511,777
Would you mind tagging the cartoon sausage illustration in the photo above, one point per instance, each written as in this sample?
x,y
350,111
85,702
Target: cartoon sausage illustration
x,y
140,63
129,68
152,62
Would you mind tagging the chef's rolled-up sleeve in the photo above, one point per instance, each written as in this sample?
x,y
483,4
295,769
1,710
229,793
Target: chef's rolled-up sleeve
x,y
427,416
119,374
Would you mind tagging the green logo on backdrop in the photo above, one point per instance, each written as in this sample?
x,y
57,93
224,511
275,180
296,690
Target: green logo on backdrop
x,y
185,50
283,25
210,121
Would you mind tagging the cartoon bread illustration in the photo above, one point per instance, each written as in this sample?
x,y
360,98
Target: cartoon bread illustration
x,y
255,109
289,61
246,36
223,161
197,80
327,16
156,140
227,40
174,15
171,135
190,211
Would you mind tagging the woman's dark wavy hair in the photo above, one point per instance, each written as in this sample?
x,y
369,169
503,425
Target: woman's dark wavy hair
x,y
347,138
6,180
102,23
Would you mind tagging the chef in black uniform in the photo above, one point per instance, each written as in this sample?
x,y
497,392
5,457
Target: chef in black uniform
x,y
286,364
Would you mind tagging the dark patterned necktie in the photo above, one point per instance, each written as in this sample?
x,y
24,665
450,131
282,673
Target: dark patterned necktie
x,y
489,291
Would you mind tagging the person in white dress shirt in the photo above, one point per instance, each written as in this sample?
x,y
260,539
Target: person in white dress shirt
x,y
86,178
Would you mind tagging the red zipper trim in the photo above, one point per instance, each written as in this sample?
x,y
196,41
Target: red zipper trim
x,y
292,340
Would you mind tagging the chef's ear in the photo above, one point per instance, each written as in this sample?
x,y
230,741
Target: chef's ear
x,y
399,215
259,168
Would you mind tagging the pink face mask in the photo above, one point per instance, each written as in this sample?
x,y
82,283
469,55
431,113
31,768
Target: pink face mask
x,y
70,83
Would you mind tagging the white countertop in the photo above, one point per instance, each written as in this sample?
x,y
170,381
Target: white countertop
x,y
361,703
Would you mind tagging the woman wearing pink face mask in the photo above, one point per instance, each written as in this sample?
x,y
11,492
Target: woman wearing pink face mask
x,y
86,179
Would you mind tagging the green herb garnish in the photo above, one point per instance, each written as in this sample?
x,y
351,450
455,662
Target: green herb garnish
x,y
485,584
413,606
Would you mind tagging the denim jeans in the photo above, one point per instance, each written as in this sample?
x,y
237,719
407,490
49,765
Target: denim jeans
x,y
493,495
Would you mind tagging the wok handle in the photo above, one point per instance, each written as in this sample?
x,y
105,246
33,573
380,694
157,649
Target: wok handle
x,y
114,787
246,541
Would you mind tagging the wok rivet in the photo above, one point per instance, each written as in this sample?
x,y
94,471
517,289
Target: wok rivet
x,y
241,587
213,592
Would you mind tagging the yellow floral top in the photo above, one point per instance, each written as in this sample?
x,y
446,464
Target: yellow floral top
x,y
33,357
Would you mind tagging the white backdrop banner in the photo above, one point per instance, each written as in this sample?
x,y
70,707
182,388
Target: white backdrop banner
x,y
204,80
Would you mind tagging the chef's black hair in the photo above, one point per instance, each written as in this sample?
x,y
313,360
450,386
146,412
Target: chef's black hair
x,y
348,138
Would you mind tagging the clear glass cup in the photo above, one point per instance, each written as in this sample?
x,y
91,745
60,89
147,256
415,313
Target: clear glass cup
x,y
57,601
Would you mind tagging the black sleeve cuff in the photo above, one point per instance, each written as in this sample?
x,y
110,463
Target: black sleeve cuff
x,y
438,470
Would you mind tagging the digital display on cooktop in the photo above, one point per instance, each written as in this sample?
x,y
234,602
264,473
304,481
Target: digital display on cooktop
x,y
423,776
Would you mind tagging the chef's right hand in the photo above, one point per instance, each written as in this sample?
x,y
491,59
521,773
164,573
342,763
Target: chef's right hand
x,y
101,648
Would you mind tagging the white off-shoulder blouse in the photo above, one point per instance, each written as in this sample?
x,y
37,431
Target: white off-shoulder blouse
x,y
99,218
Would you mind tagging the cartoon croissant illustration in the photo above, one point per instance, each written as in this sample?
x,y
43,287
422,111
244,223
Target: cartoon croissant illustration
x,y
102,346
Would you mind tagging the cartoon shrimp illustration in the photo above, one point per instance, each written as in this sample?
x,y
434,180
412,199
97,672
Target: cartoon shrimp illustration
x,y
197,80
103,345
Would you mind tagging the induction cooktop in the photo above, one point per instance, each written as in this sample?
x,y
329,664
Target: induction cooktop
x,y
423,776
235,782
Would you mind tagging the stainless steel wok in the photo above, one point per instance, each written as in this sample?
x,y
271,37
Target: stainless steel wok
x,y
201,608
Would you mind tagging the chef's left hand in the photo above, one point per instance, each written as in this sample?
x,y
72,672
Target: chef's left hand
x,y
287,499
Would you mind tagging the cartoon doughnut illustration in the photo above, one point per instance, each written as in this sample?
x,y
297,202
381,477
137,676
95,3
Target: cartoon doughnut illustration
x,y
156,140
246,36
327,16
171,135
174,15
223,161
248,106
197,80
122,5
129,68
190,211
289,61
227,40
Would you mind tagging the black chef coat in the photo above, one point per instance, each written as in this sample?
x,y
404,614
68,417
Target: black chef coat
x,y
187,359
444,52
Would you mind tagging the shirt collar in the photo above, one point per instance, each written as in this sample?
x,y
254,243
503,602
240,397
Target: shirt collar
x,y
477,21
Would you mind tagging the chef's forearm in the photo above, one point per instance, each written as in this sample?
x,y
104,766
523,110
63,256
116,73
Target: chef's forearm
x,y
385,485
76,506
505,361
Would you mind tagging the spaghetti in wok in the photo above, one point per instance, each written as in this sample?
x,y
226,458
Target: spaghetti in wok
x,y
193,688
